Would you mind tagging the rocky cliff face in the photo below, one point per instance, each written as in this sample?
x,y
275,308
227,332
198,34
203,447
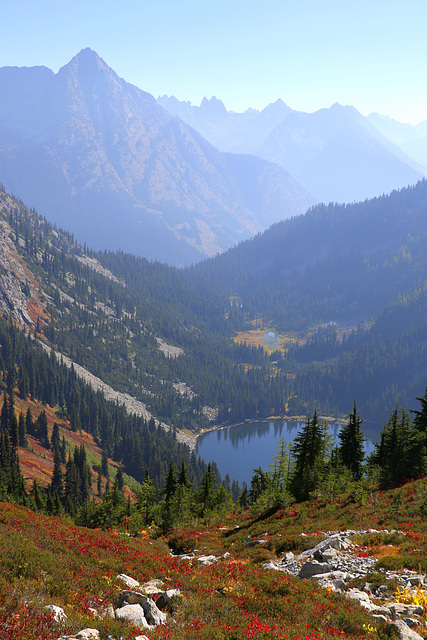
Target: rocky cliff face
x,y
19,295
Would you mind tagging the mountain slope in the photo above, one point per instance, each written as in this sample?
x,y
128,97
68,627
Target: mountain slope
x,y
412,139
347,285
100,157
338,156
143,328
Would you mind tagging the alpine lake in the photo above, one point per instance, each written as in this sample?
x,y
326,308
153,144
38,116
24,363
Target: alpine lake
x,y
239,449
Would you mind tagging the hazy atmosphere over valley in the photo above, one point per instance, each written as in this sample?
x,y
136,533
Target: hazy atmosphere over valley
x,y
213,320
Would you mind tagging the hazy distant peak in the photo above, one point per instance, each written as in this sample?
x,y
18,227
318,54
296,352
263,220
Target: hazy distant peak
x,y
277,109
87,61
213,106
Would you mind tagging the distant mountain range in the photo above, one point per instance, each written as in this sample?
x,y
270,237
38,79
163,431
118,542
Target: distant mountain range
x,y
412,139
336,154
168,180
102,159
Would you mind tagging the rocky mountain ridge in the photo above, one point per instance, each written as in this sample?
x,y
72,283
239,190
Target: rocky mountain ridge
x,y
100,158
337,154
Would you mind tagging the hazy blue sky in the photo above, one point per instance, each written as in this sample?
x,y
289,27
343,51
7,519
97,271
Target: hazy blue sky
x,y
371,54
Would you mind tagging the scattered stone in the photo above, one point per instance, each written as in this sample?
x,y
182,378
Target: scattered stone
x,y
329,555
400,609
339,543
406,633
88,634
410,622
165,600
134,614
314,568
152,613
206,560
84,634
255,543
152,587
361,597
129,582
333,563
58,612
414,581
129,597
381,618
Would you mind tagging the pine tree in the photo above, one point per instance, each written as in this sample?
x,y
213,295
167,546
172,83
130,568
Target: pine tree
x,y
42,431
400,454
351,450
4,416
309,452
57,483
29,424
279,473
119,480
104,463
420,420
244,498
168,492
56,441
147,498
207,491
23,441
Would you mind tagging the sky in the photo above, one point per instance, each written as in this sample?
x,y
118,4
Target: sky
x,y
248,53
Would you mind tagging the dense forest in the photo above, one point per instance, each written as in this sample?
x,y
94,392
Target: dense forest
x,y
349,284
142,447
346,282
112,320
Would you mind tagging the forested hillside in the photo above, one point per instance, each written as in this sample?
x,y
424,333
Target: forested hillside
x,y
350,284
345,283
144,328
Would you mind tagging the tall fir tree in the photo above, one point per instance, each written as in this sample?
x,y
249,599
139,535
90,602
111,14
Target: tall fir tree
x,y
351,450
309,453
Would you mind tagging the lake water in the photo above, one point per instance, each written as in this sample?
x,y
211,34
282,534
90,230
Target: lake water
x,y
239,449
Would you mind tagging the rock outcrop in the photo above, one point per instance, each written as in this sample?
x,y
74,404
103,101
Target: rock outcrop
x,y
334,563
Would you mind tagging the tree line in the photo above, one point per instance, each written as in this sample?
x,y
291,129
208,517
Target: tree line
x,y
312,464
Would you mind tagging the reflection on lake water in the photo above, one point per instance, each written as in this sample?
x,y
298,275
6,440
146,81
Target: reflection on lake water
x,y
239,449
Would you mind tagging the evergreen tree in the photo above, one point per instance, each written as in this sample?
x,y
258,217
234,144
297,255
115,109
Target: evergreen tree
x,y
309,452
23,441
118,480
56,440
57,483
420,420
104,463
400,452
167,511
37,497
42,431
146,498
63,451
29,424
279,474
207,492
351,450
4,416
259,484
244,498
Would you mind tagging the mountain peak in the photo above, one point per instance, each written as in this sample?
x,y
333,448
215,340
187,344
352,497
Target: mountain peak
x,y
213,105
87,61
